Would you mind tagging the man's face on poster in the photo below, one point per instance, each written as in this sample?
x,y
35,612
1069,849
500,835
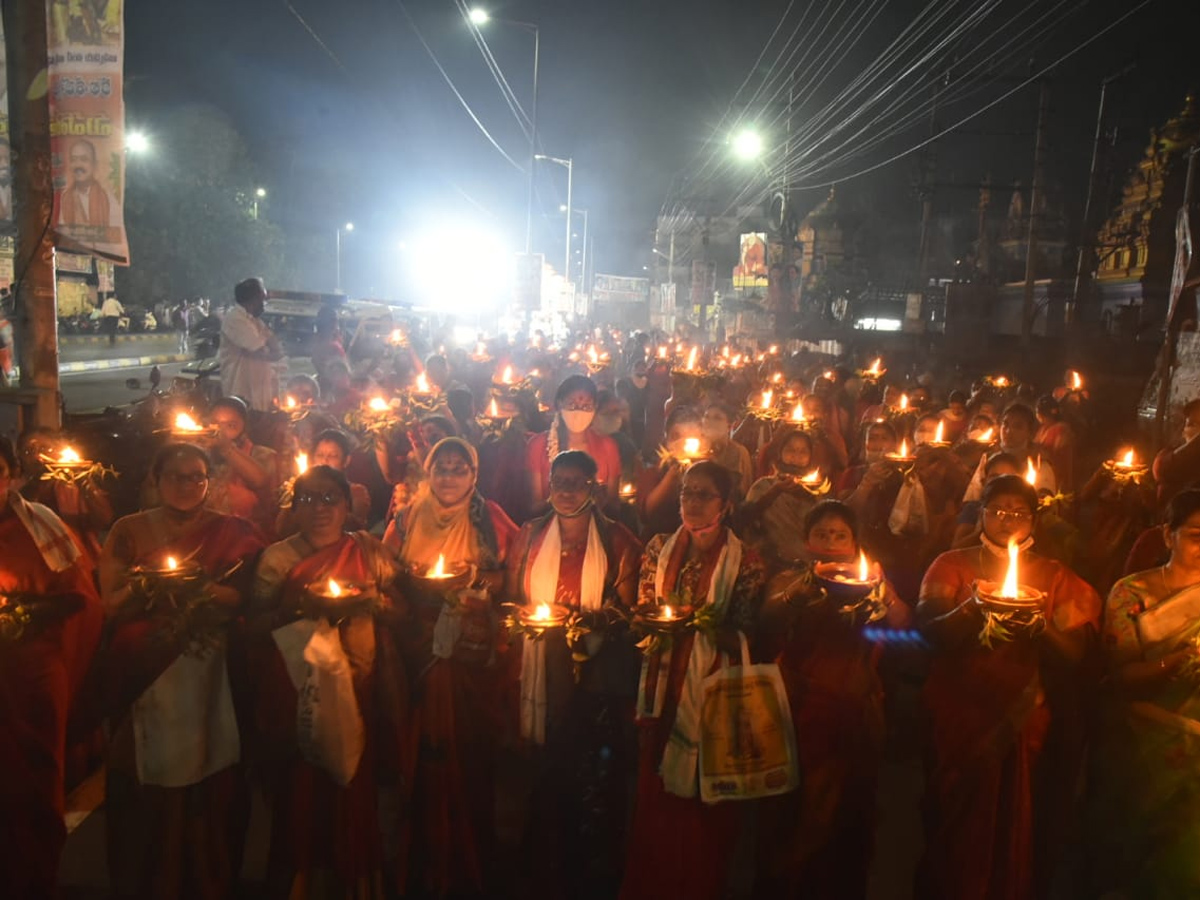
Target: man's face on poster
x,y
83,164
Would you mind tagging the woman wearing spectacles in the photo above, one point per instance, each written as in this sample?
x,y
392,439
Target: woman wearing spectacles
x,y
450,644
1006,720
577,558
324,805
679,846
173,765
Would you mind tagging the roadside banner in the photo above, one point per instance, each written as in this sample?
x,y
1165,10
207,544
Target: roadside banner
x,y
6,216
87,126
620,289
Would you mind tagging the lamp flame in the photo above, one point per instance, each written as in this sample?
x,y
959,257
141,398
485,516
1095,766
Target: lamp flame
x,y
1127,461
397,337
864,570
773,349
798,413
939,436
1076,380
68,455
691,363
439,568
903,451
767,396
1000,381
507,377
377,404
903,402
494,409
662,352
1009,590
301,463
813,477
335,589
875,370
986,437
542,613
667,612
691,447
184,422
172,563
289,402
1031,474
627,490
423,384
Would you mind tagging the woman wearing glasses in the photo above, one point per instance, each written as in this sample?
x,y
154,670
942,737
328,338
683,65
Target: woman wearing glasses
x,y
173,772
681,847
1146,774
449,644
575,410
1006,721
577,558
324,804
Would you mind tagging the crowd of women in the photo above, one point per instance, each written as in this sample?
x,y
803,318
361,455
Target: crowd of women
x,y
327,607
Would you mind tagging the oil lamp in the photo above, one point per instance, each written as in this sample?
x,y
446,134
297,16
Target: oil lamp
x,y
1126,468
186,426
1009,608
901,454
543,616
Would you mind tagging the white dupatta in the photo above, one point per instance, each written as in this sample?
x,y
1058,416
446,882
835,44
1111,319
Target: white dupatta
x,y
681,758
543,588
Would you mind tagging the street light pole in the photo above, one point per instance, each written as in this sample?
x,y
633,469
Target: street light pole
x,y
349,226
569,165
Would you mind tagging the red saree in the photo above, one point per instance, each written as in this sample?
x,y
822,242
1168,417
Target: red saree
x,y
681,847
1006,743
171,841
39,677
323,834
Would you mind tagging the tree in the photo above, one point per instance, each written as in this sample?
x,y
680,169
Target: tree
x,y
189,211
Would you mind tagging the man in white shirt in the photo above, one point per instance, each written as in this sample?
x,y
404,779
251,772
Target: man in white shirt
x,y
249,351
110,317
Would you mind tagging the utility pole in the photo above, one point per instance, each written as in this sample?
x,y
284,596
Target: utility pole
x,y
1087,236
36,307
533,125
1035,197
926,192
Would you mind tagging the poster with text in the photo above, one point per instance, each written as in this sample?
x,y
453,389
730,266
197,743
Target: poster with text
x,y
87,125
5,154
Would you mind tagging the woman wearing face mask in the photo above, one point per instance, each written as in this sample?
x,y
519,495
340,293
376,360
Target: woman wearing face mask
x,y
612,420
576,558
772,518
1006,721
818,841
658,488
173,762
42,667
717,426
679,846
575,410
450,649
1146,772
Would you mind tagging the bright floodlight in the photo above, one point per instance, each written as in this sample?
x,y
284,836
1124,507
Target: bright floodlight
x,y
748,145
260,193
479,16
349,226
137,142
562,207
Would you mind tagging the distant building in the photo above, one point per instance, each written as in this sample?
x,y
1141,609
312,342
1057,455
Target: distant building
x,y
1136,245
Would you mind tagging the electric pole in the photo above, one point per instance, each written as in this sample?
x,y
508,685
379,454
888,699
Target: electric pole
x,y
1035,198
36,299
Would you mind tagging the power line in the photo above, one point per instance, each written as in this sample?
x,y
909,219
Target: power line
x,y
466,106
506,91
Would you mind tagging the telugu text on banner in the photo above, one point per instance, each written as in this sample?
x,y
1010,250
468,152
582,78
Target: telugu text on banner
x,y
87,125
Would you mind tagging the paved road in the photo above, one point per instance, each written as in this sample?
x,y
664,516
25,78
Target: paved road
x,y
90,391
76,349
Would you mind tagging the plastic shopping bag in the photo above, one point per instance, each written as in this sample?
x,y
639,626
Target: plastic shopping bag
x,y
329,725
748,743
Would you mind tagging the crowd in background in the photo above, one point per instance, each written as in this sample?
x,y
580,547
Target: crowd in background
x,y
346,637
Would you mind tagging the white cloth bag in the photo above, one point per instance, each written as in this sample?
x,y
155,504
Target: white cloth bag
x,y
184,726
329,724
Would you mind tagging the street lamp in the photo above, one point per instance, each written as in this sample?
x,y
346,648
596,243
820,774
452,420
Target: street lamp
x,y
477,17
348,227
748,144
569,165
137,143
259,194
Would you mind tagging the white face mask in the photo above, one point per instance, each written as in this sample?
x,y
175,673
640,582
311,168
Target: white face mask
x,y
873,456
577,420
607,424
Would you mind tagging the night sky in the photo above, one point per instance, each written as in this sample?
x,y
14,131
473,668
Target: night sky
x,y
631,89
